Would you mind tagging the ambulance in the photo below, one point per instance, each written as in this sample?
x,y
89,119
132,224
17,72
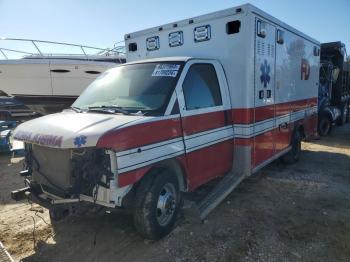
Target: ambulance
x,y
215,96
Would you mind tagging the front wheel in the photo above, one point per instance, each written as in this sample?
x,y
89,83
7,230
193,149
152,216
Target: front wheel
x,y
156,206
294,154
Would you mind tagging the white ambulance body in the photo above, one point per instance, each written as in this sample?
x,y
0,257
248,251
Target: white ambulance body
x,y
219,95
271,70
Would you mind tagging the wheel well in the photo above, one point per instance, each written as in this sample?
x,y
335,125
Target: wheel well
x,y
172,166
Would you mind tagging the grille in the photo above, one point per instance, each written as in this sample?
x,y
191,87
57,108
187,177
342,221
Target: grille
x,y
52,167
69,171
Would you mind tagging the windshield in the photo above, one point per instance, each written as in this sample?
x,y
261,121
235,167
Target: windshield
x,y
143,87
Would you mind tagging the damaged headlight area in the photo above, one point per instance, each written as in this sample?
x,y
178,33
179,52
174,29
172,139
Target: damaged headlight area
x,y
91,169
68,173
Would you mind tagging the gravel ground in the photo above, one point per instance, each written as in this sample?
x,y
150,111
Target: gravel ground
x,y
299,212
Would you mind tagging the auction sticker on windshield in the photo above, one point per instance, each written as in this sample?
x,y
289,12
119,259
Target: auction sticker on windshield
x,y
169,70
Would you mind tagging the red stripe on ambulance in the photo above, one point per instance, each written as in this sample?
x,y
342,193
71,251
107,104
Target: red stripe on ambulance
x,y
141,134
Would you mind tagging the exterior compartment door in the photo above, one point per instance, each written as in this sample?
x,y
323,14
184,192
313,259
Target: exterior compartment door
x,y
285,83
264,109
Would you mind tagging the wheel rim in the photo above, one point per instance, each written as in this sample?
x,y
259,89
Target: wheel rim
x,y
166,204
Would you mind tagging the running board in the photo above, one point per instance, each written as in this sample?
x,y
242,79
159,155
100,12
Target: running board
x,y
218,194
201,210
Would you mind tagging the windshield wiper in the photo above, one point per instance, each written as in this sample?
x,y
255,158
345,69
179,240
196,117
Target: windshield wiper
x,y
108,109
76,109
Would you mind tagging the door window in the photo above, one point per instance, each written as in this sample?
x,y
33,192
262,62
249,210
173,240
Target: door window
x,y
201,87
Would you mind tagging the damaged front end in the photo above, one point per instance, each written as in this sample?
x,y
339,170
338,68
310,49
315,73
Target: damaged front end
x,y
56,176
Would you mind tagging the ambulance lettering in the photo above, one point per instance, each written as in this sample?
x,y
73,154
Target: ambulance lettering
x,y
40,139
23,136
47,140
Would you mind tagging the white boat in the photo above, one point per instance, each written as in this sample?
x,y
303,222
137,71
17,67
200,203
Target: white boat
x,y
48,81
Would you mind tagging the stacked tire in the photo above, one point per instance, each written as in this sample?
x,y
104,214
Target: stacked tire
x,y
344,117
324,124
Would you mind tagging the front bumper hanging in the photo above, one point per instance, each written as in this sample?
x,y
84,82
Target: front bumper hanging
x,y
36,194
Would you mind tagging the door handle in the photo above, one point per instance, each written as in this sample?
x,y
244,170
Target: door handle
x,y
226,117
283,126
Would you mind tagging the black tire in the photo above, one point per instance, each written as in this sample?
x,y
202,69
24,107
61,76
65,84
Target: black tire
x,y
344,115
294,154
347,115
324,125
157,202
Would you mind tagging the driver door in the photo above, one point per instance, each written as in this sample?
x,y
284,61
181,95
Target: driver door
x,y
205,111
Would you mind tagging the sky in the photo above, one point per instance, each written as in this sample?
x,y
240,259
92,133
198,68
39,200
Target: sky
x,y
104,22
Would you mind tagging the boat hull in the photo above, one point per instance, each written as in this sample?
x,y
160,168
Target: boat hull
x,y
48,85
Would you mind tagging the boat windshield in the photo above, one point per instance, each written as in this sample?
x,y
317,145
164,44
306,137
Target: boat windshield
x,y
145,87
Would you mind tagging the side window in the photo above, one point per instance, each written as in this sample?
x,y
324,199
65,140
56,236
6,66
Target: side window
x,y
201,87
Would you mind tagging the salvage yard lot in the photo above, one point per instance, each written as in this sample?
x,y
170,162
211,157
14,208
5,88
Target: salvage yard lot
x,y
299,212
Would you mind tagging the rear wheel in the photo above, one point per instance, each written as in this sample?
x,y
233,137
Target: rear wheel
x,y
156,206
294,154
324,125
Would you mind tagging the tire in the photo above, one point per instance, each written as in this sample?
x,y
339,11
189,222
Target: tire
x,y
294,154
324,125
347,115
157,202
344,115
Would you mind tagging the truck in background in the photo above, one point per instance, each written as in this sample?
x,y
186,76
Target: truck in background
x,y
334,87
218,95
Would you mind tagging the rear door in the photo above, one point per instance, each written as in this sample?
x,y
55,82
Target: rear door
x,y
206,121
264,109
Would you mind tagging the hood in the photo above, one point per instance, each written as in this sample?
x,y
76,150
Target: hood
x,y
70,129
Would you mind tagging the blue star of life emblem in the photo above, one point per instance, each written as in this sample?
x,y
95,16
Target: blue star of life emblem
x,y
80,140
265,71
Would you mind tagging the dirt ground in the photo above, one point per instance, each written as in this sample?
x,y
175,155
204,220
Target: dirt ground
x,y
285,213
